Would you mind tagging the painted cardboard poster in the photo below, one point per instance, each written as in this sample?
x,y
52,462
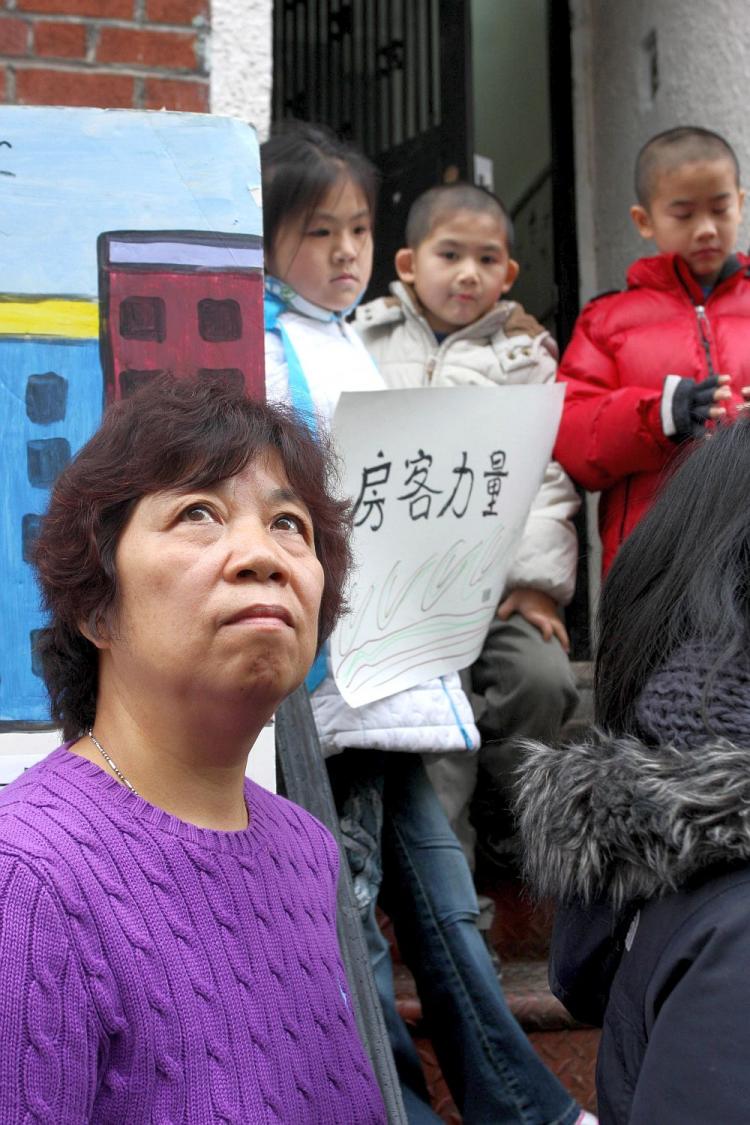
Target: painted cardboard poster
x,y
442,481
130,243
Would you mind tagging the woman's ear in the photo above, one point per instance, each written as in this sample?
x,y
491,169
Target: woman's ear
x,y
96,634
405,265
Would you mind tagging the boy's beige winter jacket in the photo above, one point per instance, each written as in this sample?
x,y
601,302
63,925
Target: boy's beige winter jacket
x,y
504,347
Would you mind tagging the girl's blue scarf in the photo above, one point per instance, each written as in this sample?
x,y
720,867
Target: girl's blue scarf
x,y
280,298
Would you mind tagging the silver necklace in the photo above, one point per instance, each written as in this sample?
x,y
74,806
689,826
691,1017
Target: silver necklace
x,y
115,769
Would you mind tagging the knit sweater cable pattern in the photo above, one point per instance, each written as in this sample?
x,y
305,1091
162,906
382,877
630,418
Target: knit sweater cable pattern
x,y
154,971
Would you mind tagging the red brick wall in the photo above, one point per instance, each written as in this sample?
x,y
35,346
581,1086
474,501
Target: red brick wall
x,y
141,54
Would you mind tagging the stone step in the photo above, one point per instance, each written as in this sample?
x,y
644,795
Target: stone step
x,y
520,934
567,1048
521,928
526,990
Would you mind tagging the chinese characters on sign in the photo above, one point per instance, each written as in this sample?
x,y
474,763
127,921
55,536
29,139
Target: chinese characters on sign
x,y
493,479
436,523
369,507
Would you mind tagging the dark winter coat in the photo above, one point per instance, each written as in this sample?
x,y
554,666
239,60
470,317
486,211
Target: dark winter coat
x,y
624,345
649,850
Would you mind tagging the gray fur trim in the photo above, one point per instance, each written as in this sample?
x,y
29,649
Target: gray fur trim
x,y
614,818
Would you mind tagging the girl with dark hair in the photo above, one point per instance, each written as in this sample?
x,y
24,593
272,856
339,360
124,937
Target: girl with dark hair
x,y
319,200
319,197
643,833
168,942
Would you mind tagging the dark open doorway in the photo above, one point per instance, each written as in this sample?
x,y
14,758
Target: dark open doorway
x,y
391,76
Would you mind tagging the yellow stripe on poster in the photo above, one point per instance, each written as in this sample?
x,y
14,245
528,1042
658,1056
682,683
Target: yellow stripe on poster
x,y
54,316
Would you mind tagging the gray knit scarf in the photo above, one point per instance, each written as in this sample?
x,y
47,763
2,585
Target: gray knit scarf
x,y
694,697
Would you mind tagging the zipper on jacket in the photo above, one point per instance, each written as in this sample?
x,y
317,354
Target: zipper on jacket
x,y
700,313
625,503
430,367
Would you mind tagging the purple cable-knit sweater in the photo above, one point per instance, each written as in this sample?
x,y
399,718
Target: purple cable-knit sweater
x,y
153,971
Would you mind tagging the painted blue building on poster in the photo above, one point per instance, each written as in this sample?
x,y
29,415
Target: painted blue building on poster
x,y
67,176
55,386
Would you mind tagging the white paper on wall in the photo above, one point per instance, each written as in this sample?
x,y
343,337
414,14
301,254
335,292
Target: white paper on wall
x,y
442,480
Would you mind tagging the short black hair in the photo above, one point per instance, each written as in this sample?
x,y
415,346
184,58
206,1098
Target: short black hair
x,y
437,202
301,162
684,144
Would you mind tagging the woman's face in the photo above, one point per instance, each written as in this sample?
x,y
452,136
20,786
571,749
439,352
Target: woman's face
x,y
219,591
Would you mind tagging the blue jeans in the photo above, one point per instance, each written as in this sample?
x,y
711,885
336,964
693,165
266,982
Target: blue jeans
x,y
422,880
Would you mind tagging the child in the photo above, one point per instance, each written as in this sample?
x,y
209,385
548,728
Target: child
x,y
643,833
445,324
647,368
319,198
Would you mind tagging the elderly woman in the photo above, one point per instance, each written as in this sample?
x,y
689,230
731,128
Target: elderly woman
x,y
167,928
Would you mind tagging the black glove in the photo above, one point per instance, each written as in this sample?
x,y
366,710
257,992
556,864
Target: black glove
x,y
691,406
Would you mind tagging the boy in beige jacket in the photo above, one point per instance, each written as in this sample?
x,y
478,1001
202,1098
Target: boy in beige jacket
x,y
446,324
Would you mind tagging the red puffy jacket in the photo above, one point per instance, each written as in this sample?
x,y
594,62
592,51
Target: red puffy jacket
x,y
624,345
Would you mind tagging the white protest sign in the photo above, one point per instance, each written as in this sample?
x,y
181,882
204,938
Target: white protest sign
x,y
442,479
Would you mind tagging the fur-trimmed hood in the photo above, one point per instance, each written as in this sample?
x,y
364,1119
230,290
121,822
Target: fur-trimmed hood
x,y
612,818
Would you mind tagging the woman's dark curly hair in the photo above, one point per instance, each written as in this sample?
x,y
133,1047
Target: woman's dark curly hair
x,y
174,433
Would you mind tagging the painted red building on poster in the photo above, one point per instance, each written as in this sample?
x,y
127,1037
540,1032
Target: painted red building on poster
x,y
190,302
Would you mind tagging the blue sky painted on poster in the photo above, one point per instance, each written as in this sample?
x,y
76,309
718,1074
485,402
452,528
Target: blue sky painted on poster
x,y
205,167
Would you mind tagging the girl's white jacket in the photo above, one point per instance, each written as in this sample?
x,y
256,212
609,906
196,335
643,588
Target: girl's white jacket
x,y
435,716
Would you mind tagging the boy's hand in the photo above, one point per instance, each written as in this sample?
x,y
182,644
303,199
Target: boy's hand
x,y
538,609
694,403
746,395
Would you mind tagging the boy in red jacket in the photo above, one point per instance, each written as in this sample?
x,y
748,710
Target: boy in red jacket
x,y
648,367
